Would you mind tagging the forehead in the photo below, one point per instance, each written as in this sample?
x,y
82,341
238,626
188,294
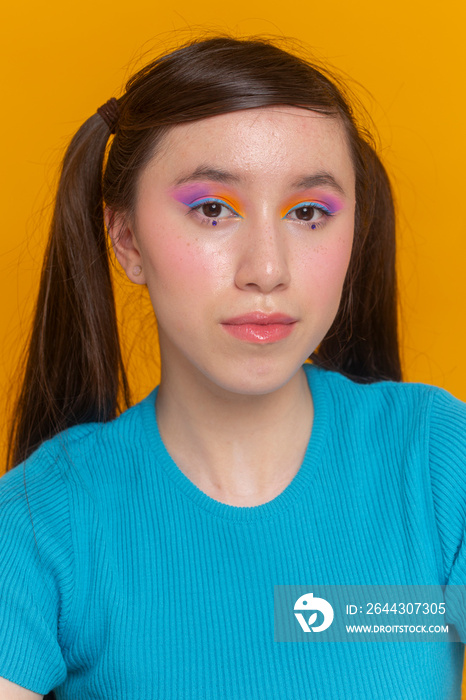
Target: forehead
x,y
272,144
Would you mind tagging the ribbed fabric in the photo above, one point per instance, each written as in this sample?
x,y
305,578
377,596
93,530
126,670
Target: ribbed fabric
x,y
120,579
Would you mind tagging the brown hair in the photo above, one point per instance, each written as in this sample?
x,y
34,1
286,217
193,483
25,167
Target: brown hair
x,y
74,371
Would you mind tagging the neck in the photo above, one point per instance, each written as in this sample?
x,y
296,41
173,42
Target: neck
x,y
239,449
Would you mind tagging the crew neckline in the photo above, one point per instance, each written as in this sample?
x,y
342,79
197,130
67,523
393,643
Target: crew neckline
x,y
264,511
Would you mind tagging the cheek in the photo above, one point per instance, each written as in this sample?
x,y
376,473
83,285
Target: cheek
x,y
182,269
337,260
325,269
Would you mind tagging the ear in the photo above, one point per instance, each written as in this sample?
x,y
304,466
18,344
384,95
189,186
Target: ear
x,y
125,245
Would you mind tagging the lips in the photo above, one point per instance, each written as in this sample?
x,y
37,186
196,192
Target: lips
x,y
260,319
258,327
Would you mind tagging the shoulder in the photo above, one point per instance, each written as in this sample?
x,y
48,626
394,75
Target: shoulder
x,y
406,401
423,430
82,442
376,390
422,426
75,456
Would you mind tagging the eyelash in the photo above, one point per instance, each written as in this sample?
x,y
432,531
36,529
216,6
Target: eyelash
x,y
312,205
195,208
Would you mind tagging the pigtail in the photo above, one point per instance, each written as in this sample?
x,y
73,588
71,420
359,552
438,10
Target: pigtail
x,y
363,340
73,367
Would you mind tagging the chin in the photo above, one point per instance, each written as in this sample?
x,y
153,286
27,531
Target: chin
x,y
257,377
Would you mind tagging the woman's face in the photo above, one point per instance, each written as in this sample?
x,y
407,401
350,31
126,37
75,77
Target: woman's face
x,y
243,226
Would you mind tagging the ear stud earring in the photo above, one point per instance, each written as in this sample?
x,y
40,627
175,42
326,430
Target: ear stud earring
x,y
137,269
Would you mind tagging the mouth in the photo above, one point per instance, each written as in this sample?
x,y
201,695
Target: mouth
x,y
258,327
260,319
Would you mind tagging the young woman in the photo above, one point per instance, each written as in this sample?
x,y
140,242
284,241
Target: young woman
x,y
140,548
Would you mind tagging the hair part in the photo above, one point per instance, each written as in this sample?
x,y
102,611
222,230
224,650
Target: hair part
x,y
74,371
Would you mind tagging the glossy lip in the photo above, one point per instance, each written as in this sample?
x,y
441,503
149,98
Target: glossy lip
x,y
259,327
260,319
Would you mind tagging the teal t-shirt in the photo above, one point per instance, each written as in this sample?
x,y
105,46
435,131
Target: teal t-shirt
x,y
120,579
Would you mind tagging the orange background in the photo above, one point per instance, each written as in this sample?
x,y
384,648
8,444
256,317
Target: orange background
x,y
63,60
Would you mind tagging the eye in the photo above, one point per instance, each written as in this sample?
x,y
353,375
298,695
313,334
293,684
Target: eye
x,y
311,213
307,213
209,208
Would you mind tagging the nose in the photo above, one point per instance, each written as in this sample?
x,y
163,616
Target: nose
x,y
263,263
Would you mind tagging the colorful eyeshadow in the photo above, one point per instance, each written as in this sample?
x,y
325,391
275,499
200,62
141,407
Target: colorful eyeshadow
x,y
193,195
325,202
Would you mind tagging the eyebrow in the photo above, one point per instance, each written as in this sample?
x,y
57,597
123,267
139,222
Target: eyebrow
x,y
203,172
320,179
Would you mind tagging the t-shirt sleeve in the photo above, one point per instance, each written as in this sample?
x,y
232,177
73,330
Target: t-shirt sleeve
x,y
448,477
36,572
